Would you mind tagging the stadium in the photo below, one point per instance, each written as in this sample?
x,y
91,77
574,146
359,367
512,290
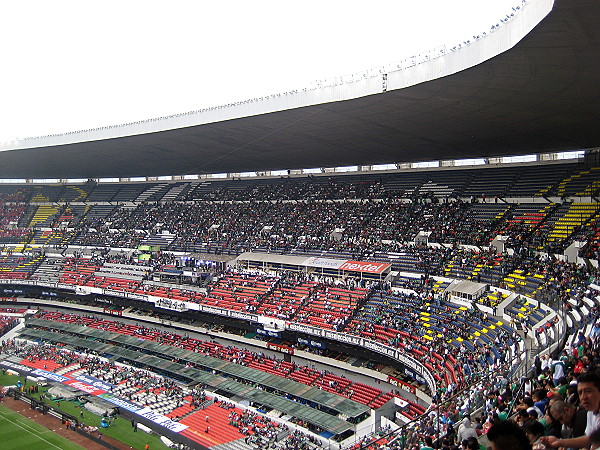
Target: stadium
x,y
363,263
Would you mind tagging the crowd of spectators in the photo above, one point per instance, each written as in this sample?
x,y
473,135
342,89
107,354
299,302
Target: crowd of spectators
x,y
15,195
546,405
146,388
375,226
294,189
7,323
10,215
591,236
546,408
568,278
404,319
258,429
264,220
450,411
137,385
566,283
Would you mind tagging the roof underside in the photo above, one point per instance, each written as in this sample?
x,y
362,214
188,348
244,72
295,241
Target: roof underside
x,y
540,96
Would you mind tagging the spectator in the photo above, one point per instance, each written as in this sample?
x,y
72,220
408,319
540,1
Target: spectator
x,y
428,444
573,418
465,430
507,435
534,432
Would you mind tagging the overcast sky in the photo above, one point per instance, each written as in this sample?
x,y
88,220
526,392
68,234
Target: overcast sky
x,y
71,65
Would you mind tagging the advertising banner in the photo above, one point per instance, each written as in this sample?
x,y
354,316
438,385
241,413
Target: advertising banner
x,y
363,266
325,263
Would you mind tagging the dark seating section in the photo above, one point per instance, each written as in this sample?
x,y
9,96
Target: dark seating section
x,y
95,214
129,192
538,183
58,193
50,238
487,184
583,183
104,192
489,211
356,391
522,181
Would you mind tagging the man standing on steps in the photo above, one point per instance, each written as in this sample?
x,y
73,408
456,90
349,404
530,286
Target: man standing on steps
x,y
558,369
465,430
